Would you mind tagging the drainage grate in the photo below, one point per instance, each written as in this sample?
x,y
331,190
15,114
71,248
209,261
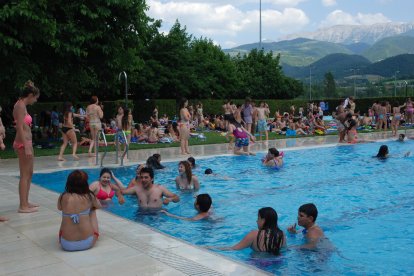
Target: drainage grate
x,y
181,264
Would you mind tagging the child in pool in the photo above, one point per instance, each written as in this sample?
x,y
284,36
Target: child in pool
x,y
202,204
274,158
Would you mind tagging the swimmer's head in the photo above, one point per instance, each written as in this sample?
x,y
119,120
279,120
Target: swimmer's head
x,y
208,171
274,152
203,202
401,137
191,160
269,215
383,151
105,170
310,210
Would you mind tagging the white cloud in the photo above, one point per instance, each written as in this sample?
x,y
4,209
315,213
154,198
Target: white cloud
x,y
328,3
227,24
339,17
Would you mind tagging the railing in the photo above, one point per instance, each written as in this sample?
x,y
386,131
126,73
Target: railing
x,y
97,146
124,137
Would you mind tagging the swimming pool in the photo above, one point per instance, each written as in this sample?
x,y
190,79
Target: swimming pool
x,y
365,206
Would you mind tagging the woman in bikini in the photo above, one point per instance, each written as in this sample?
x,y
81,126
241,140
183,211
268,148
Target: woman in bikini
x,y
68,132
267,238
94,114
23,145
79,228
104,190
396,117
184,126
186,180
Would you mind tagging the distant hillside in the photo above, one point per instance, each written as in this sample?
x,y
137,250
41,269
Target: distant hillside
x,y
339,64
357,48
389,47
297,52
387,67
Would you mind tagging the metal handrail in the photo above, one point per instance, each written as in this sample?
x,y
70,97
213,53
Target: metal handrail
x,y
97,147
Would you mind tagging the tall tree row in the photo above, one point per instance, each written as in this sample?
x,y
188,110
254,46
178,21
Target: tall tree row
x,y
73,49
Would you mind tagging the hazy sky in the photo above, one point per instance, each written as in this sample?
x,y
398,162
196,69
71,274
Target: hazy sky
x,y
234,22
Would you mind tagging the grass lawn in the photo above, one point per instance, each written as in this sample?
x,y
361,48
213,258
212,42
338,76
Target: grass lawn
x,y
212,138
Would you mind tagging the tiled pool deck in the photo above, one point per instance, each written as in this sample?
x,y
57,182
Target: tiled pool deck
x,y
28,242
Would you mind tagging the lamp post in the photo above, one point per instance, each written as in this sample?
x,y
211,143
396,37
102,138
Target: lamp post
x,y
310,83
406,83
260,24
126,85
395,83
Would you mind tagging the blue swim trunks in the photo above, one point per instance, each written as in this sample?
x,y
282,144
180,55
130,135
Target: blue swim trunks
x,y
262,125
241,142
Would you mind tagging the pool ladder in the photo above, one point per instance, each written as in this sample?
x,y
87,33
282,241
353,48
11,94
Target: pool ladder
x,y
106,147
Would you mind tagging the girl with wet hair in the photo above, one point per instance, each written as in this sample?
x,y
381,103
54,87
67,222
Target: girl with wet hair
x,y
268,238
154,162
383,152
186,180
23,144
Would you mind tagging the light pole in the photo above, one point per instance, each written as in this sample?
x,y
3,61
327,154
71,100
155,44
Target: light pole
x,y
406,83
395,83
260,24
126,85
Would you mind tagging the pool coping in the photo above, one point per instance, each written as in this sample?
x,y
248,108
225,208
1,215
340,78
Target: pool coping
x,y
124,246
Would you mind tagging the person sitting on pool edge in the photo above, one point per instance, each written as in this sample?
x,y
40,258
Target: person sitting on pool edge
x,y
268,238
79,227
307,215
202,204
150,196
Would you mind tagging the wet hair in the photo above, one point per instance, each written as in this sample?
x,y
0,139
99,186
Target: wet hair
x,y
204,202
105,170
274,151
150,171
77,183
309,209
29,88
233,121
382,152
208,171
153,163
188,171
93,100
269,236
192,161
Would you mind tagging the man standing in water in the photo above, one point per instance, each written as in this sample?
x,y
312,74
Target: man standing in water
x,y
150,195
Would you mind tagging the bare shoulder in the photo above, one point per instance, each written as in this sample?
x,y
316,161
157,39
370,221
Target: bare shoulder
x,y
315,233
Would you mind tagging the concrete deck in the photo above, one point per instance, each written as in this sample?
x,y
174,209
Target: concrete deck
x,y
28,242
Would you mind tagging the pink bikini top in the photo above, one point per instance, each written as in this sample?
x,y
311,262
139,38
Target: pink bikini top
x,y
102,195
28,120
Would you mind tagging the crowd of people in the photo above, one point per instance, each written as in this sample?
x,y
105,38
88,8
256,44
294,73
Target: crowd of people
x,y
79,228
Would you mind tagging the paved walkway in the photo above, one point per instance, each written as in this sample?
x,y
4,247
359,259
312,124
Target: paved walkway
x,y
28,242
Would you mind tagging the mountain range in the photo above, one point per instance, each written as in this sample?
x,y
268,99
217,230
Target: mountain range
x,y
341,47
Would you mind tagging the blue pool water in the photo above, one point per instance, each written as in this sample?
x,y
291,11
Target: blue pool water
x,y
365,207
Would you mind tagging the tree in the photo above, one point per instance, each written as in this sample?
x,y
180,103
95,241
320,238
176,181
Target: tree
x,y
70,48
329,89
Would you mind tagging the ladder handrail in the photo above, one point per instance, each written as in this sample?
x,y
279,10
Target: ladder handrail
x,y
97,147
